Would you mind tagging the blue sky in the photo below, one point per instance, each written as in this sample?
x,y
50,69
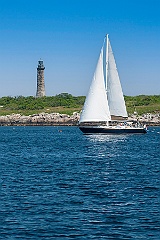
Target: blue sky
x,y
68,35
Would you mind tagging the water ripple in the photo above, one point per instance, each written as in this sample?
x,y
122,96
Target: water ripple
x,y
64,185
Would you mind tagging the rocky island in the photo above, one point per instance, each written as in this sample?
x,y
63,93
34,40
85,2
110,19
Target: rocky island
x,y
54,119
41,119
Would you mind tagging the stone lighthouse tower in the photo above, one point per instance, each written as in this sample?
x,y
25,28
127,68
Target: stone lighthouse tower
x,y
40,79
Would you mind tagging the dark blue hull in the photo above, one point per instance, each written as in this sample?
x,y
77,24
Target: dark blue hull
x,y
111,130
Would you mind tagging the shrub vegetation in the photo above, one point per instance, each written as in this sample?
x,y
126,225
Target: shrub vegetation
x,y
66,103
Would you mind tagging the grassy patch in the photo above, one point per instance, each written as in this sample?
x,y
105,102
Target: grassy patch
x,y
65,103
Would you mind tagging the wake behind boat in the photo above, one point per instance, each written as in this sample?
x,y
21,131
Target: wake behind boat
x,y
104,110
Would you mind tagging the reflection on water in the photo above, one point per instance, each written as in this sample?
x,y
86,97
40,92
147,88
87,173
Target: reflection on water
x,y
107,138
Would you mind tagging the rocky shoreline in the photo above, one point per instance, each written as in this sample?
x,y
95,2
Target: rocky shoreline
x,y
41,119
56,119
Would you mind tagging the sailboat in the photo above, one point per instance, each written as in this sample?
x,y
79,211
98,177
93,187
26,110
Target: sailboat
x,y
104,110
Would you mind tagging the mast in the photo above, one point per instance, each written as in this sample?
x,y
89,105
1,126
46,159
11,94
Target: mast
x,y
106,60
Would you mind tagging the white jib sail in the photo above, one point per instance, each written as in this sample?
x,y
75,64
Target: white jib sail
x,y
114,90
96,105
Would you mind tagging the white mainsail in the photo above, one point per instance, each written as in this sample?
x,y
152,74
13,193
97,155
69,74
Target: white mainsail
x,y
96,105
105,96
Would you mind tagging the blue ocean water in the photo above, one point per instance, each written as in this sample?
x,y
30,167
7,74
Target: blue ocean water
x,y
57,183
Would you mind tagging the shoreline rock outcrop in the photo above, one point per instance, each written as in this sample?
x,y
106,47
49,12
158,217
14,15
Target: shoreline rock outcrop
x,y
55,119
41,119
148,119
